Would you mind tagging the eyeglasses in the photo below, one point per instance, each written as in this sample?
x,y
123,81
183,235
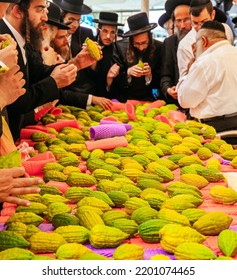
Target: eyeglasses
x,y
42,9
106,32
186,20
71,20
137,44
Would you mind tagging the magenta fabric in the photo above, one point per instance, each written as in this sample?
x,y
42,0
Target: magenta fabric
x,y
27,131
34,165
130,110
117,106
107,131
54,111
126,125
106,144
64,123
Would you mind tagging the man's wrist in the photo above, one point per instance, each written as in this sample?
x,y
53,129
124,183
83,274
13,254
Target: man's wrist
x,y
148,80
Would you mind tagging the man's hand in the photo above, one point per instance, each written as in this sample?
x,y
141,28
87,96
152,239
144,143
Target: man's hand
x,y
11,86
8,55
135,71
172,92
112,73
83,59
12,184
64,74
50,57
147,70
102,102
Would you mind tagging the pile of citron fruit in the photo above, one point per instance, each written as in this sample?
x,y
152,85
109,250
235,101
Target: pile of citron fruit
x,y
150,189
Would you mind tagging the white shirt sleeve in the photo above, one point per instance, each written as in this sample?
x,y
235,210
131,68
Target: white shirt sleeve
x,y
89,100
184,56
193,88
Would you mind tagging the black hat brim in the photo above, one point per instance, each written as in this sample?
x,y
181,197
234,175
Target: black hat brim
x,y
10,1
58,24
170,5
141,30
79,10
234,20
220,15
163,19
107,22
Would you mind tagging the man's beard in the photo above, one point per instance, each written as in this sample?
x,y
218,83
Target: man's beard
x,y
32,34
144,54
182,33
63,51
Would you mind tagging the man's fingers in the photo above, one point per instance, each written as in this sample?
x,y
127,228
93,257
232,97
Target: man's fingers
x,y
26,182
18,201
24,190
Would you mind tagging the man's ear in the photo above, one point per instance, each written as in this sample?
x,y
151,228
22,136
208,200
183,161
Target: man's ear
x,y
213,14
17,12
204,41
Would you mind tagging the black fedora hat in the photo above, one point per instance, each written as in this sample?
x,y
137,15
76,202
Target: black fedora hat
x,y
213,25
220,15
54,16
73,6
163,19
10,1
234,20
138,24
170,5
108,18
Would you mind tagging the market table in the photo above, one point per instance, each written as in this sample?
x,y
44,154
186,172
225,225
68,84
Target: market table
x,y
34,167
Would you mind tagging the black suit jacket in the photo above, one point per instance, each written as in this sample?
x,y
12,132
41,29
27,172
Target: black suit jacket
x,y
99,76
83,82
79,37
40,87
137,88
169,69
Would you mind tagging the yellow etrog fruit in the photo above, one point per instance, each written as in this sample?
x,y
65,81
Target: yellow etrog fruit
x,y
140,64
93,49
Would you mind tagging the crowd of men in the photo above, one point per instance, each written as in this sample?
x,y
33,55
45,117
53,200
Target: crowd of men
x,y
49,63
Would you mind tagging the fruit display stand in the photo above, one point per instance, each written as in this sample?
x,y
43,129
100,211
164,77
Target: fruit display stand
x,y
136,182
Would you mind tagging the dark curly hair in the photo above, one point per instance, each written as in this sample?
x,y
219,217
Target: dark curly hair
x,y
131,52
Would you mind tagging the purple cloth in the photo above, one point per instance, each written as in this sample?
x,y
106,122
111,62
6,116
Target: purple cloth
x,y
127,125
46,227
107,131
107,252
233,228
225,162
2,227
148,253
151,252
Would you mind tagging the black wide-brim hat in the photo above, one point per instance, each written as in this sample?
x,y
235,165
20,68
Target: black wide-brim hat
x,y
163,19
220,15
10,1
170,5
54,15
108,18
73,6
138,24
234,20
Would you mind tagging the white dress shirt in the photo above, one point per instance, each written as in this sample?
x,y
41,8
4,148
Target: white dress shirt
x,y
209,89
185,52
20,40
